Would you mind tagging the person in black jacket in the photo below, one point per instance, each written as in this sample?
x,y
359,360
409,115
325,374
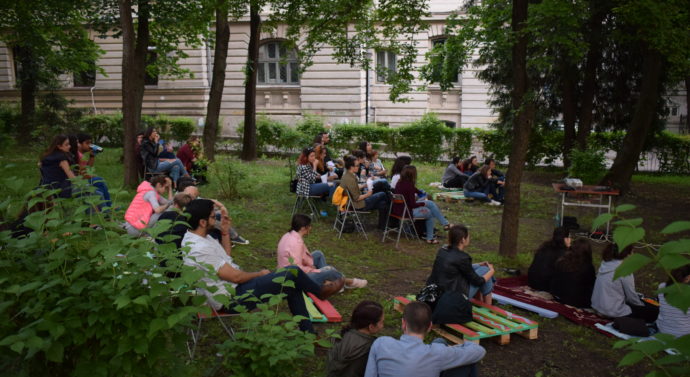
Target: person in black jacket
x,y
150,153
573,278
541,271
479,185
453,270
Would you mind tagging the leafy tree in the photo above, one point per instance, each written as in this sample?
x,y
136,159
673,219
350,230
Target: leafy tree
x,y
47,38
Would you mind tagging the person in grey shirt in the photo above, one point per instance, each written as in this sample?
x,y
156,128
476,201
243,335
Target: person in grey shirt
x,y
452,176
410,357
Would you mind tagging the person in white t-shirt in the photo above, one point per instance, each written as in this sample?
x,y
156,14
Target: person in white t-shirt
x,y
672,320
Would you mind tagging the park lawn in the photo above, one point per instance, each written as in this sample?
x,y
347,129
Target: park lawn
x,y
261,213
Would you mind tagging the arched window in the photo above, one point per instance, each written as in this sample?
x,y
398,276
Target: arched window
x,y
277,64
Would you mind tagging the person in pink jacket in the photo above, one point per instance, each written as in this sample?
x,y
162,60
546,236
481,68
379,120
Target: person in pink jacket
x,y
148,204
293,251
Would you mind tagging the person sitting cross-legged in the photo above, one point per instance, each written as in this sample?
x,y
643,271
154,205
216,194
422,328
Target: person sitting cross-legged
x,y
204,251
293,251
453,177
479,186
410,357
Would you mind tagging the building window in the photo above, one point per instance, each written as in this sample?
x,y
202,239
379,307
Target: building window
x,y
277,64
449,123
385,64
438,69
16,63
151,58
85,78
674,111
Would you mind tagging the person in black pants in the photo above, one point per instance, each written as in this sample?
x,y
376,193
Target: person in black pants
x,y
452,176
573,278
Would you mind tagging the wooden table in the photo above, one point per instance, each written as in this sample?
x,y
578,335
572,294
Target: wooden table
x,y
609,193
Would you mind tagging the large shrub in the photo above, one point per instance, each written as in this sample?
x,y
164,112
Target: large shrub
x,y
347,136
673,152
588,165
105,129
424,138
177,128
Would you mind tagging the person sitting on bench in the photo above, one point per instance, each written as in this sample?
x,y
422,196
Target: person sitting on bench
x,y
452,176
363,202
293,251
148,204
543,265
204,250
573,277
349,355
410,357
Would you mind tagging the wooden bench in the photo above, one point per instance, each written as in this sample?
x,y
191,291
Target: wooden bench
x,y
325,308
489,321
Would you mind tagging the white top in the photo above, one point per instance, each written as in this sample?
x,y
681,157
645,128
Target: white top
x,y
207,251
394,180
672,320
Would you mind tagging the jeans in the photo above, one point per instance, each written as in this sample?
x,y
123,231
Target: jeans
x,y
485,288
429,212
327,272
378,201
318,189
176,169
461,371
265,284
495,189
477,195
102,189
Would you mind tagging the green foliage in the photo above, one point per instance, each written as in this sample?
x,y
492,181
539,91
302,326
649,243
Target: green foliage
x,y
460,142
588,165
671,255
673,152
102,127
311,125
228,176
424,138
347,136
78,300
170,128
9,119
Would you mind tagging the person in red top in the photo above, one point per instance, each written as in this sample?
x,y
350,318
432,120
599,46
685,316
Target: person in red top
x,y
420,206
186,153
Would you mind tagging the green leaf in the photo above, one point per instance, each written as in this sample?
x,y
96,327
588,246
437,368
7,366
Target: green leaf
x,y
156,325
17,347
121,302
675,247
624,236
673,261
676,226
678,295
631,358
601,220
631,264
624,208
629,222
649,346
55,352
141,300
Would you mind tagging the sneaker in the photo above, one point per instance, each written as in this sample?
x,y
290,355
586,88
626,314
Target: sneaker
x,y
494,203
239,241
324,213
357,283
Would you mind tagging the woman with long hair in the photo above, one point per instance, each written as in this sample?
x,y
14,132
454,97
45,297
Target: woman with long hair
x,y
573,278
150,151
469,166
398,165
348,357
55,166
541,271
478,186
422,208
308,179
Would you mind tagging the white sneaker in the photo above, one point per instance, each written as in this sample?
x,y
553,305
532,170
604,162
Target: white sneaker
x,y
494,203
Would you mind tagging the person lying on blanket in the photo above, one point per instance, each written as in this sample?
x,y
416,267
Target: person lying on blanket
x,y
293,251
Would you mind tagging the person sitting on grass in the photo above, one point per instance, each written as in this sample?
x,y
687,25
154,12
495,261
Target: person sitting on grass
x,y
469,166
55,166
308,179
349,355
83,147
672,320
420,206
193,192
496,181
453,177
617,298
363,202
479,186
176,216
541,271
293,251
249,286
453,269
573,277
410,357
148,204
398,165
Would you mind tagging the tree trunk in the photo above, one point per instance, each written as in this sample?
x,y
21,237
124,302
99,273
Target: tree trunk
x,y
28,86
218,80
249,136
645,112
687,104
522,125
569,108
589,86
134,49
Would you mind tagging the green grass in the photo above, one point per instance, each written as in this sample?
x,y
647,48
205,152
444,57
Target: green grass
x,y
655,179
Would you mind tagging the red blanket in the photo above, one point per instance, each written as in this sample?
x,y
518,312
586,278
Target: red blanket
x,y
517,289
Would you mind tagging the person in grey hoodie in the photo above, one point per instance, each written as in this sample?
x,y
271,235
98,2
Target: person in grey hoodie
x,y
618,298
348,357
452,176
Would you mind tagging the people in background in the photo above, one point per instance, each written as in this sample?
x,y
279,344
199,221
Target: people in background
x,y
377,168
541,271
150,151
496,180
55,165
325,170
616,298
469,166
323,138
293,251
348,356
410,357
193,192
672,320
363,169
365,202
453,177
250,287
398,165
138,161
175,214
573,279
168,153
83,149
308,179
422,208
479,186
151,200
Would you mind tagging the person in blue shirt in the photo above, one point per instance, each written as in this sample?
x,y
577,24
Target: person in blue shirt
x,y
410,357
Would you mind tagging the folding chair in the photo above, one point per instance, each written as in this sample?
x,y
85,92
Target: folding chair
x,y
406,218
148,175
310,201
353,213
195,335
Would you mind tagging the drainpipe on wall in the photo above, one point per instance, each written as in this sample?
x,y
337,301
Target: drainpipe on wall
x,y
93,101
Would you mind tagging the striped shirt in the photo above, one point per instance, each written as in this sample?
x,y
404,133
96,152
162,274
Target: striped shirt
x,y
672,320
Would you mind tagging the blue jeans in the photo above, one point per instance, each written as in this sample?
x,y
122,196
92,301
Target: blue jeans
x,y
378,201
429,212
176,169
329,273
102,189
495,189
477,195
318,189
485,288
265,284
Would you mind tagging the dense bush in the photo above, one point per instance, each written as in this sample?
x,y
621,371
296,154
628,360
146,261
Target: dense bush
x,y
105,129
9,118
673,152
346,137
588,165
178,129
424,138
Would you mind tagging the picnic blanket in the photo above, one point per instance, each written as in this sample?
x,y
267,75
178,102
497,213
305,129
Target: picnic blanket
x,y
517,289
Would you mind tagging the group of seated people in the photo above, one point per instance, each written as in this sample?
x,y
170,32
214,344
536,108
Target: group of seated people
x,y
564,268
484,183
158,157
